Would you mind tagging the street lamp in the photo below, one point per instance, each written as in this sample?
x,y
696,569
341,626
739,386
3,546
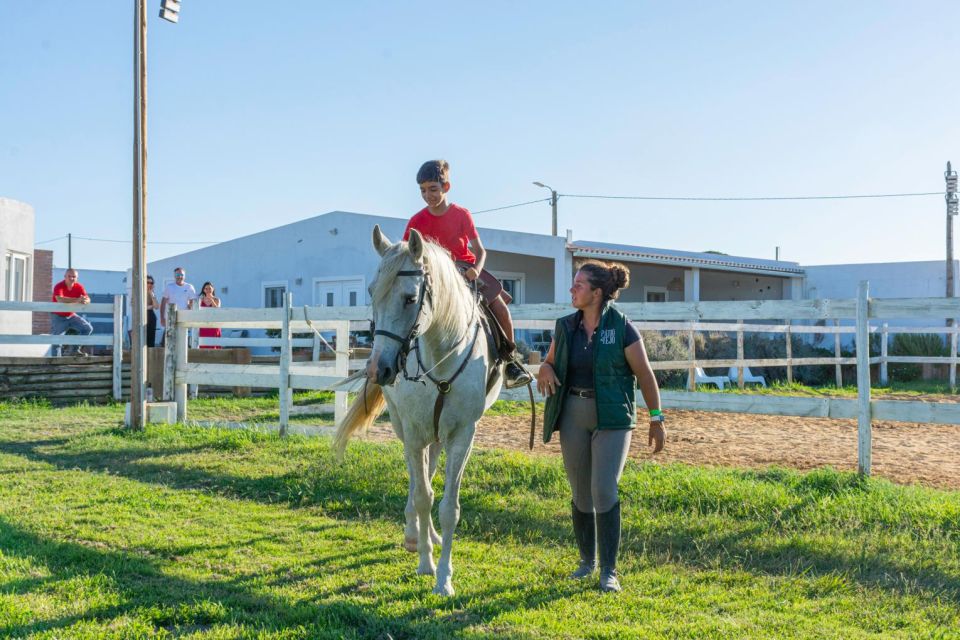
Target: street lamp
x,y
170,10
553,204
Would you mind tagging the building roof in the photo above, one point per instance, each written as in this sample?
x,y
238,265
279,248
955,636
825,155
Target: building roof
x,y
671,257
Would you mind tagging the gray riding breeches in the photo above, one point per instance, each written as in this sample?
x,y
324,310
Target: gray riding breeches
x,y
593,458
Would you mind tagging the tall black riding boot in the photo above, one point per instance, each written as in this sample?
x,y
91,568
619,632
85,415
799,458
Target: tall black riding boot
x,y
584,529
608,534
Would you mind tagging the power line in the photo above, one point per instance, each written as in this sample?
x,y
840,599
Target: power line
x,y
753,198
129,241
511,206
50,240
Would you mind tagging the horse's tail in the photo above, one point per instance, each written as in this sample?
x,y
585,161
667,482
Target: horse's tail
x,y
367,406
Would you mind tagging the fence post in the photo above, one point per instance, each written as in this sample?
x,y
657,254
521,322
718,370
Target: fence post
x,y
953,356
789,335
169,354
194,344
691,372
180,389
286,349
342,369
864,435
836,352
740,354
118,348
316,345
884,377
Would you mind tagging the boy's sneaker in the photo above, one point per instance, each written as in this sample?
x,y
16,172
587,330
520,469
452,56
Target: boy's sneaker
x,y
516,375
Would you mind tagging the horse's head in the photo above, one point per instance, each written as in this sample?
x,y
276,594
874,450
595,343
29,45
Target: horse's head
x,y
400,295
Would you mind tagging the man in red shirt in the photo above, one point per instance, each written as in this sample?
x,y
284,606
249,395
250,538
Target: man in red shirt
x,y
69,291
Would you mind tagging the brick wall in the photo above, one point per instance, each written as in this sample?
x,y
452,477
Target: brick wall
x,y
42,287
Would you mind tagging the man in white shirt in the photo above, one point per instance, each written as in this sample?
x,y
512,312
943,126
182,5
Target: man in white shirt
x,y
179,292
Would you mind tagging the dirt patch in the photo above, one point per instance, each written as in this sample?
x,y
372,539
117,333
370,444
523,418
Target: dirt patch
x,y
905,453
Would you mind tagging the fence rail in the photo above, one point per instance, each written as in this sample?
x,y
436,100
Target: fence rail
x,y
114,340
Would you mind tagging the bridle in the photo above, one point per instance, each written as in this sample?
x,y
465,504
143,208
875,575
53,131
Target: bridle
x,y
407,345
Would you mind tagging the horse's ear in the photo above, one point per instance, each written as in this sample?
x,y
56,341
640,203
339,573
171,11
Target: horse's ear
x,y
380,241
416,245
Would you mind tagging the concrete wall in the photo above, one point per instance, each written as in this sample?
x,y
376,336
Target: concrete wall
x,y
887,279
17,237
97,281
726,285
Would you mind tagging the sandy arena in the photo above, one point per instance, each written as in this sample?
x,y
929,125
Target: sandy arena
x,y
906,453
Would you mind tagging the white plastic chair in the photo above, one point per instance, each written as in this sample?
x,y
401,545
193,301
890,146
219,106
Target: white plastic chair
x,y
703,378
747,377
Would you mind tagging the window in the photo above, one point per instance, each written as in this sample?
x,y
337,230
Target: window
x,y
513,283
273,295
17,273
345,291
655,294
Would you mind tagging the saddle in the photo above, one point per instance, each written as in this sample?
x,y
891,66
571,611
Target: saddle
x,y
488,289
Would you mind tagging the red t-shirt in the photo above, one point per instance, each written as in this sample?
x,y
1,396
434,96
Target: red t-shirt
x,y
61,291
453,230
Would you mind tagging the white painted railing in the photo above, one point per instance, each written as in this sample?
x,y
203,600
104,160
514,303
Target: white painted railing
x,y
673,316
115,340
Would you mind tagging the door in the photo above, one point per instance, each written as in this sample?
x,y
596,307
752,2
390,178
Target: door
x,y
338,293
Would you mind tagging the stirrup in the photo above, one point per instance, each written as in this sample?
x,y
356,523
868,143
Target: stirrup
x,y
515,375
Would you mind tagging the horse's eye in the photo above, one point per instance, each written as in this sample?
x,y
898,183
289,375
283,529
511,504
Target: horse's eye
x,y
409,300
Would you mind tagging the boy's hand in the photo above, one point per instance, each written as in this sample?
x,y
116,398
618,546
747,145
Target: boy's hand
x,y
471,274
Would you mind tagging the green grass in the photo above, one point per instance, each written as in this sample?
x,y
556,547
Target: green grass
x,y
181,532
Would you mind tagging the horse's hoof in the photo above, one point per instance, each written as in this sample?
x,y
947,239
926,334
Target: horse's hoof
x,y
426,570
445,589
410,544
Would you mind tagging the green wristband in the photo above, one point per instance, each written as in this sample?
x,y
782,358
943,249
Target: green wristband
x,y
655,412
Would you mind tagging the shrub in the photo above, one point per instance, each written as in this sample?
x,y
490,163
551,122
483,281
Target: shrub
x,y
914,344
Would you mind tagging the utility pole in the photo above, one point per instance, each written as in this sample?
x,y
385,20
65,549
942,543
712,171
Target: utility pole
x,y
138,306
69,251
953,200
553,205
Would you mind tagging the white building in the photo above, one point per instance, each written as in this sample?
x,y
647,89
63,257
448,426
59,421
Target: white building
x,y
16,273
328,260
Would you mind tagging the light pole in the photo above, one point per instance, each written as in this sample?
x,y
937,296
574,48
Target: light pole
x,y
953,202
553,204
138,288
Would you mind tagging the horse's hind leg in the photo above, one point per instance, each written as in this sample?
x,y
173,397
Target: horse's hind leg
x,y
412,528
457,454
423,502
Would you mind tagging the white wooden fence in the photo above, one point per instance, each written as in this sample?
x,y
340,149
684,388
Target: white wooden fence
x,y
115,340
673,316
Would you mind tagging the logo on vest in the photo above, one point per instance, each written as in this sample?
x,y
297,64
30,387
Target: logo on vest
x,y
608,336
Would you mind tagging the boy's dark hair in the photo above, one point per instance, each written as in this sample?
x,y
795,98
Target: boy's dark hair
x,y
434,171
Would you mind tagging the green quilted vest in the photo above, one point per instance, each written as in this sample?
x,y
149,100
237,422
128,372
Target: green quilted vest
x,y
613,380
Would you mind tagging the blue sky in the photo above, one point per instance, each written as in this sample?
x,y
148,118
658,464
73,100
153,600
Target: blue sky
x,y
263,114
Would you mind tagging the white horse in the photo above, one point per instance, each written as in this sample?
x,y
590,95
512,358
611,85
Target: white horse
x,y
431,362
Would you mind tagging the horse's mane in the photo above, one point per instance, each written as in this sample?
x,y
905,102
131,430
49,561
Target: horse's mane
x,y
453,303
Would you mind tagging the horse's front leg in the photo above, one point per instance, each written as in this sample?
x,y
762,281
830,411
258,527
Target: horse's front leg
x,y
458,450
411,530
423,503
